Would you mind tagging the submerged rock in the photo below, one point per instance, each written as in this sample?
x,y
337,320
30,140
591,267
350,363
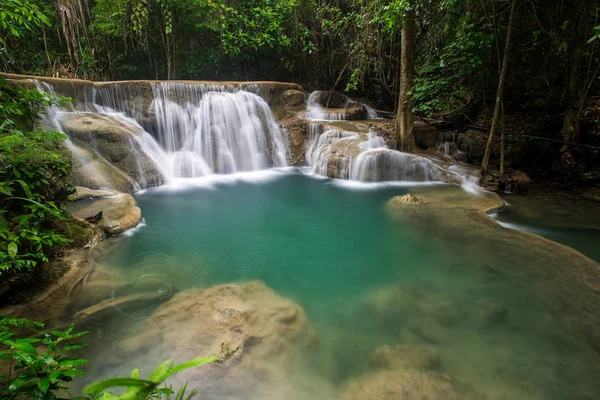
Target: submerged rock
x,y
259,336
409,385
549,275
406,357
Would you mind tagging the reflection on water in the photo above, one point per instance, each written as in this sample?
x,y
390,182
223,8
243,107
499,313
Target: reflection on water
x,y
364,280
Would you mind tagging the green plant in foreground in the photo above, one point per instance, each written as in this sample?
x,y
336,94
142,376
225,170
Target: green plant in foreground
x,y
37,373
33,171
39,369
141,389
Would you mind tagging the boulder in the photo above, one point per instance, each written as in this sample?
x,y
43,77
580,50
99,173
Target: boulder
x,y
409,385
409,199
119,212
516,182
257,334
353,112
329,99
406,357
293,98
91,170
114,140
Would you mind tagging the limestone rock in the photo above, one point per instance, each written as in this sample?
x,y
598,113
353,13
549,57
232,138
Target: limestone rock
x,y
406,357
409,385
114,141
517,182
82,192
119,212
329,99
430,315
409,199
257,333
293,98
297,139
92,171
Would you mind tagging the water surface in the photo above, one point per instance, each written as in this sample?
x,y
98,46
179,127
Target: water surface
x,y
364,280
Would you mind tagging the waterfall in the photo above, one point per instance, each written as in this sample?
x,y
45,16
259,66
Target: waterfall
x,y
184,129
215,129
363,157
319,155
383,164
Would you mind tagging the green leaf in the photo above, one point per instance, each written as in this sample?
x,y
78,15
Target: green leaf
x,y
26,189
13,249
25,347
44,384
196,362
101,386
73,363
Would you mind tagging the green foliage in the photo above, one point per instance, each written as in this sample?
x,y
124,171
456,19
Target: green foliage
x,y
38,367
18,17
444,82
32,172
595,35
141,389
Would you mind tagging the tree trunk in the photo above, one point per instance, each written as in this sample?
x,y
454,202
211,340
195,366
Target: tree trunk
x,y
502,140
405,118
575,89
488,148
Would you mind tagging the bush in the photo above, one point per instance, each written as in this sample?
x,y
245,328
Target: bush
x,y
33,187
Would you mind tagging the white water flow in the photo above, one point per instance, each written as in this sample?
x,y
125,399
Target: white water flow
x,y
363,157
197,129
205,132
316,111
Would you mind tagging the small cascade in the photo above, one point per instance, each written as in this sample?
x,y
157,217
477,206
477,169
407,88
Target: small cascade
x,y
319,155
378,165
326,106
363,157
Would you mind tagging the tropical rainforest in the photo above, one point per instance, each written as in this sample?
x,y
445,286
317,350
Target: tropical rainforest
x,y
522,77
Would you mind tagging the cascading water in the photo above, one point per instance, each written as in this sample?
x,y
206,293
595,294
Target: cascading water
x,y
209,131
316,111
363,157
382,164
197,129
319,155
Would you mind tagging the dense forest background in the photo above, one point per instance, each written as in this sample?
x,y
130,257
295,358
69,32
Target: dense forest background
x,y
550,87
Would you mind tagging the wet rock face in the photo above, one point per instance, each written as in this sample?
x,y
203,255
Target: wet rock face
x,y
253,330
119,212
328,99
297,139
293,98
111,142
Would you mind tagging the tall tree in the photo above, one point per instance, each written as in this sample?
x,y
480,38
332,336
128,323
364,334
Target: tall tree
x,y
405,118
575,87
488,148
